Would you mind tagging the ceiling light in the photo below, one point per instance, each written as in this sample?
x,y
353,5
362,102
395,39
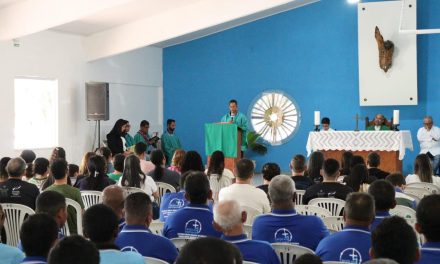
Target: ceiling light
x,y
353,1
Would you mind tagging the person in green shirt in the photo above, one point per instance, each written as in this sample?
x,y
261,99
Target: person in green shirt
x,y
59,172
169,141
118,165
235,117
379,124
143,136
129,140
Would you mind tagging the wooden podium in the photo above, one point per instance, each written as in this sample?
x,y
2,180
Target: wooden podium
x,y
225,137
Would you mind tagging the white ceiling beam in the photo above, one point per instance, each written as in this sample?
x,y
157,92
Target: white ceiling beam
x,y
31,16
182,21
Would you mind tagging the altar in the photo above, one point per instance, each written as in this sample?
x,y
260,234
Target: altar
x,y
390,145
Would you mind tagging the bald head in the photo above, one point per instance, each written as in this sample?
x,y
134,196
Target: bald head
x,y
113,197
228,215
16,167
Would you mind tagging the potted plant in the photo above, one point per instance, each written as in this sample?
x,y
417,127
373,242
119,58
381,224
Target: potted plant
x,y
255,143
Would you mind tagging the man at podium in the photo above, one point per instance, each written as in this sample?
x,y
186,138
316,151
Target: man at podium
x,y
235,117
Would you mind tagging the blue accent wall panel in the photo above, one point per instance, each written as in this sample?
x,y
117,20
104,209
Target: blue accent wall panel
x,y
310,53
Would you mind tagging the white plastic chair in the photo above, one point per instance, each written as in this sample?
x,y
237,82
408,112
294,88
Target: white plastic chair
x,y
179,242
156,227
403,211
312,210
249,262
248,230
412,222
90,198
130,190
251,214
150,260
335,206
299,196
434,189
65,230
335,223
419,192
15,215
164,188
287,253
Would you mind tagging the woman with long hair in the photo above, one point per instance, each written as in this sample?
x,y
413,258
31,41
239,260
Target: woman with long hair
x,y
97,179
345,163
132,176
116,137
422,171
192,161
358,177
176,162
269,171
160,173
219,176
314,167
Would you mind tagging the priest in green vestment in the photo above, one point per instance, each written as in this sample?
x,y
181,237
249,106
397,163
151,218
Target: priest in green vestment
x,y
143,136
235,117
169,141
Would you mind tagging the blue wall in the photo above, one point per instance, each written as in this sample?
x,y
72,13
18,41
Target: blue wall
x,y
310,53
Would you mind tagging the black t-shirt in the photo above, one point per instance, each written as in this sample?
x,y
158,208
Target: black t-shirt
x,y
302,182
19,192
325,190
378,173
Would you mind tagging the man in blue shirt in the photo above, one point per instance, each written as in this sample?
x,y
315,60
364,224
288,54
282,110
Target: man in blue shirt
x,y
229,219
113,197
284,225
428,224
38,234
352,244
195,219
101,227
394,239
136,236
384,200
9,255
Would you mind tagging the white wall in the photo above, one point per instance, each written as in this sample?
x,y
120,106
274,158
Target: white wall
x,y
56,55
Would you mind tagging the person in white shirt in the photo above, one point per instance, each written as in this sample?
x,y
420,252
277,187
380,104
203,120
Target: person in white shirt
x,y
429,136
325,124
422,171
219,176
242,190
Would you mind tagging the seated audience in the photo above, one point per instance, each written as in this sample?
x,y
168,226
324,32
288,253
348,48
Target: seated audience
x,y
381,261
73,173
269,171
229,219
140,150
384,200
428,224
298,167
9,255
329,187
134,177
53,204
14,190
195,219
83,168
160,173
396,240
308,259
192,161
40,173
243,191
118,165
314,167
358,179
399,184
171,202
209,250
3,173
59,172
28,156
38,234
352,244
219,176
57,153
97,179
74,250
136,235
422,171
373,163
284,225
103,235
355,160
106,153
176,162
346,163
113,197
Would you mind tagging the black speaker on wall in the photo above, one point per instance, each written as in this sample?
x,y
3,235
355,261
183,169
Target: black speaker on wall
x,y
97,103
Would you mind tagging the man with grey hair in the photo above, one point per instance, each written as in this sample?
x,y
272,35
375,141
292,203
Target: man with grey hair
x,y
14,190
429,136
352,244
229,219
284,224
